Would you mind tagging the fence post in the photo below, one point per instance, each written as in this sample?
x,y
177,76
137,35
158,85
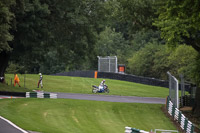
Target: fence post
x,y
185,124
179,117
24,80
182,89
192,128
173,111
116,64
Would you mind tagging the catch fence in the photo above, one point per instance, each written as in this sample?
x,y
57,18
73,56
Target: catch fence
x,y
173,90
107,64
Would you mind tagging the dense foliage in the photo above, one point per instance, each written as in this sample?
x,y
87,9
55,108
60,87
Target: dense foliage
x,y
6,20
155,60
179,22
112,43
49,36
5,24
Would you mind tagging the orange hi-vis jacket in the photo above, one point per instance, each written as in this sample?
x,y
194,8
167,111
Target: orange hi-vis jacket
x,y
16,78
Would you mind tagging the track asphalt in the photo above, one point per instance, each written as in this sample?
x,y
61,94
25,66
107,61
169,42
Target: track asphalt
x,y
112,98
8,127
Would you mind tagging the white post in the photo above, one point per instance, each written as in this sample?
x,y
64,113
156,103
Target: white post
x,y
98,63
169,74
116,65
177,92
109,63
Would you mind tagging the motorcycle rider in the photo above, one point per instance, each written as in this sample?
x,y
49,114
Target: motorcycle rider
x,y
102,84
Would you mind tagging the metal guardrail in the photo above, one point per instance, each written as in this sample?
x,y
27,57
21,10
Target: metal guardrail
x,y
185,124
40,95
134,130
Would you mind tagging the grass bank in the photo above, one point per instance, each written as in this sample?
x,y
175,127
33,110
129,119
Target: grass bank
x,y
83,85
82,116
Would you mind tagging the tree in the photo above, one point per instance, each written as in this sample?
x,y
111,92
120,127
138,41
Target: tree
x,y
112,43
52,64
143,37
31,34
138,14
74,28
6,19
46,27
161,63
154,60
179,22
143,61
182,61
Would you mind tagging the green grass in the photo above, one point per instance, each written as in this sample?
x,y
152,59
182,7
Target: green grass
x,y
10,88
82,116
83,85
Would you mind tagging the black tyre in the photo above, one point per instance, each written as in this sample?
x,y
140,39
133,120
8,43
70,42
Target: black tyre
x,y
94,90
107,90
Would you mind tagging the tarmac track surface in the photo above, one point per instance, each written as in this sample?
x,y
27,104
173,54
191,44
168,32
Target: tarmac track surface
x,y
112,98
8,127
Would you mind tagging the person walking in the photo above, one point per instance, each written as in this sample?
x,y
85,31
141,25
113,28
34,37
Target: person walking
x,y
40,81
16,80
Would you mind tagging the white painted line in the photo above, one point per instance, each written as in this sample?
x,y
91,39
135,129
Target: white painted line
x,y
12,124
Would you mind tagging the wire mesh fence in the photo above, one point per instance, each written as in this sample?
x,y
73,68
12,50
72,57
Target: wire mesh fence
x,y
107,64
173,90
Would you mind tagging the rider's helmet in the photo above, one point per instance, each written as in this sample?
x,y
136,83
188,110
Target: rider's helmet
x,y
104,80
40,74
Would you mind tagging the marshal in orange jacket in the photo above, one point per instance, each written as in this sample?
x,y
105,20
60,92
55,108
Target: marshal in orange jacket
x,y
16,78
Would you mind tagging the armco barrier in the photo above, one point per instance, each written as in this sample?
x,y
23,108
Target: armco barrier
x,y
134,130
119,76
7,93
185,124
133,78
40,95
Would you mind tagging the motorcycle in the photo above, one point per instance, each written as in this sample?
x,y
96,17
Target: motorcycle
x,y
95,89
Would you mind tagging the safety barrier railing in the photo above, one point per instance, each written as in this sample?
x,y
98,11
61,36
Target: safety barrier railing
x,y
134,130
185,124
40,95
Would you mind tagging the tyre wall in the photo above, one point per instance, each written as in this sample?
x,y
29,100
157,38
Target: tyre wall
x,y
7,93
133,78
123,77
117,76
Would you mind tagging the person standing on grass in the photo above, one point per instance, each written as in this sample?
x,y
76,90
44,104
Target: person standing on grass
x,y
16,80
40,81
